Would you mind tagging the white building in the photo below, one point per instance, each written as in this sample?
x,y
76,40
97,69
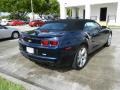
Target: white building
x,y
99,10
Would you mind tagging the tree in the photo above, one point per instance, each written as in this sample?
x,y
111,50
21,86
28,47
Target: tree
x,y
20,8
17,8
46,7
54,7
40,7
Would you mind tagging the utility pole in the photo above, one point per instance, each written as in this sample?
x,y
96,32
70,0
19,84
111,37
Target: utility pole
x,y
32,10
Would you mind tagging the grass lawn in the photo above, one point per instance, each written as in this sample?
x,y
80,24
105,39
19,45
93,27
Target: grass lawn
x,y
7,85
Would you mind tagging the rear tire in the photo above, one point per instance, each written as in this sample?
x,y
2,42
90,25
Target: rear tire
x,y
81,58
15,35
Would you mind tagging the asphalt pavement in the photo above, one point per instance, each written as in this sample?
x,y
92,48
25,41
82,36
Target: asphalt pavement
x,y
101,73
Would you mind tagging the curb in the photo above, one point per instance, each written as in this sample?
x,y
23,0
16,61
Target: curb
x,y
27,86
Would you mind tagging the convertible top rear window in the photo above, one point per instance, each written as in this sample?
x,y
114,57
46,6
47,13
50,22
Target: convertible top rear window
x,y
65,25
53,26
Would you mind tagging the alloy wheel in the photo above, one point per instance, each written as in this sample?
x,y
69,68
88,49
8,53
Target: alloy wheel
x,y
82,57
15,35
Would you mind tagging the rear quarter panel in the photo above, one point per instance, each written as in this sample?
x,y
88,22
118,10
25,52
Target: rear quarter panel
x,y
72,39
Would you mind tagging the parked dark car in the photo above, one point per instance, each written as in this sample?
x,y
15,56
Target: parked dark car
x,y
35,23
64,42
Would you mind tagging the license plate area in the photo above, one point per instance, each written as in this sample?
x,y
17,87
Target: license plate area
x,y
30,50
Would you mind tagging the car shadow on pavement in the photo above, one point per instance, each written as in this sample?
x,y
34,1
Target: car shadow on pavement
x,y
52,67
2,40
94,53
63,69
6,39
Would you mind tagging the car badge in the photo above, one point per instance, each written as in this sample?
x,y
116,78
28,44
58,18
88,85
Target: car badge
x,y
29,40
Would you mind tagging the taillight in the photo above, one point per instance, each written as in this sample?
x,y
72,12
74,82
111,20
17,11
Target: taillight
x,y
49,43
53,43
45,42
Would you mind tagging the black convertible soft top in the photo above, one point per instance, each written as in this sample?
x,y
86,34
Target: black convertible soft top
x,y
72,24
72,20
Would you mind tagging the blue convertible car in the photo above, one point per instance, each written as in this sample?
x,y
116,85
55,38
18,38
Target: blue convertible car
x,y
64,42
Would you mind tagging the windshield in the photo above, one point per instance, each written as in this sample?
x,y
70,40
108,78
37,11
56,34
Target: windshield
x,y
53,26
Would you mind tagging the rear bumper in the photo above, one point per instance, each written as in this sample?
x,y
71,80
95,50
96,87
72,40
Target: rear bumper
x,y
37,58
58,57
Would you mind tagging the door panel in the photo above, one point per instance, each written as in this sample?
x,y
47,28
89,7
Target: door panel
x,y
4,32
104,34
93,31
95,37
84,14
103,14
98,37
1,36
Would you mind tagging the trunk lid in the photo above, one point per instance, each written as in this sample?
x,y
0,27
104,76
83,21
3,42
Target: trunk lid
x,y
44,34
37,36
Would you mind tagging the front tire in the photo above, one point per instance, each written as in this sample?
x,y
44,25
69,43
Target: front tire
x,y
108,43
81,58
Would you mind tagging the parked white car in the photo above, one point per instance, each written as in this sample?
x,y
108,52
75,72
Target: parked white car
x,y
4,22
7,32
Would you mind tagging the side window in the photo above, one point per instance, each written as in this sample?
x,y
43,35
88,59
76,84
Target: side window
x,y
97,26
2,27
91,27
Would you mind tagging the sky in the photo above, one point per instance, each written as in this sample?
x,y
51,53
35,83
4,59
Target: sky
x,y
3,14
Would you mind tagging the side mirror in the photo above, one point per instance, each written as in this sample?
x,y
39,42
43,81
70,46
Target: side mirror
x,y
103,27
